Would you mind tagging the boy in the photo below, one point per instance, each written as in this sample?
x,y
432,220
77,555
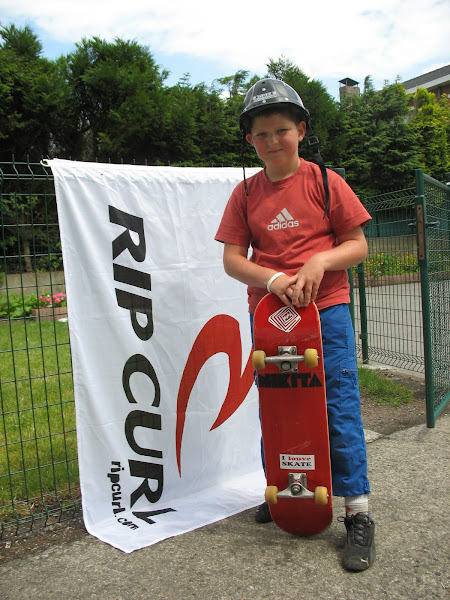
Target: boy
x,y
304,225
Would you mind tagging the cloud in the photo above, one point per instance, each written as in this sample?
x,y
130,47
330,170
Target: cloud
x,y
326,39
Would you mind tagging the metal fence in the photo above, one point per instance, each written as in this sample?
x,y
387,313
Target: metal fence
x,y
38,452
388,315
402,291
433,236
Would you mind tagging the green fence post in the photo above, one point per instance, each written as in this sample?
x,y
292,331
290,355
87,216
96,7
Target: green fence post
x,y
422,255
352,297
364,336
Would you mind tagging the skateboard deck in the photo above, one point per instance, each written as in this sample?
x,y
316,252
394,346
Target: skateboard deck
x,y
289,360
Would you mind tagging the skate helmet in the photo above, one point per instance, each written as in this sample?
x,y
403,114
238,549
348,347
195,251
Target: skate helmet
x,y
267,92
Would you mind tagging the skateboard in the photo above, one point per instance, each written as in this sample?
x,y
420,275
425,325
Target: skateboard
x,y
288,358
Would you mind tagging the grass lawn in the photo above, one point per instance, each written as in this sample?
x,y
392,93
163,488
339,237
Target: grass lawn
x,y
383,390
38,450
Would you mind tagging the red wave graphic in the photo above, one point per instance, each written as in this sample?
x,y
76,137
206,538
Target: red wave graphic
x,y
220,334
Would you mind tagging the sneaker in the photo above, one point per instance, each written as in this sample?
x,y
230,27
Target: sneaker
x,y
359,553
262,514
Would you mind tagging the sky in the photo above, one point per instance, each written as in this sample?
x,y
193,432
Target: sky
x,y
328,40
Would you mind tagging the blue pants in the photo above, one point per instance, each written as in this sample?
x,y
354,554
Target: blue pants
x,y
347,443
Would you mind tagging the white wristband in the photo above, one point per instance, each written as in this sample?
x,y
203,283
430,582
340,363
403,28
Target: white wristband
x,y
272,279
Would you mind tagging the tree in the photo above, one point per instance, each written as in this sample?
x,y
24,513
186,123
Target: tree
x,y
236,84
393,153
216,135
30,92
380,149
431,123
117,91
22,42
357,131
321,106
235,149
181,123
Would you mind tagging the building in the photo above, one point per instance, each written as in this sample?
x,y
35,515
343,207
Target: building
x,y
437,81
348,89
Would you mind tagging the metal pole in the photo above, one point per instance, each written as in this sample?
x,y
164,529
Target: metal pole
x,y
364,336
422,254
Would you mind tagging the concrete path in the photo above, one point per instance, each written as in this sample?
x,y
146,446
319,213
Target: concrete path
x,y
238,559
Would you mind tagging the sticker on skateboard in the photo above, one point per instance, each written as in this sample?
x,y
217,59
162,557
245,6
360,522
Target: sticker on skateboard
x,y
285,319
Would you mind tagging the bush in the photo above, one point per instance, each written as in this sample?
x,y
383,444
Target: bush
x,y
391,264
381,264
14,306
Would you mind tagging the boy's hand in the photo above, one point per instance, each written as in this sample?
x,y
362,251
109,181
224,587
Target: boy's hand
x,y
283,287
306,283
351,250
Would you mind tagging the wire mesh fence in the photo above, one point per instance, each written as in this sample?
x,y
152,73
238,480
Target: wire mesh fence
x,y
38,452
391,292
39,479
434,256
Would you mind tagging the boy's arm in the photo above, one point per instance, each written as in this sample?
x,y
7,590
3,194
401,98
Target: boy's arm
x,y
238,266
352,250
301,289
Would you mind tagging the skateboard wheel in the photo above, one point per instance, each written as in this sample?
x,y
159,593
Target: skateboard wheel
x,y
321,495
259,359
271,494
311,357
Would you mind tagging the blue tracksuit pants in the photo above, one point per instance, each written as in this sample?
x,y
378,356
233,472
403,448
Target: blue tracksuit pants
x,y
347,443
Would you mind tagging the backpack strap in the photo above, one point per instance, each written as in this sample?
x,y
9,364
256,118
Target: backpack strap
x,y
313,142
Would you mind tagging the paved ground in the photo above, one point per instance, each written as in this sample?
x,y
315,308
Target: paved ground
x,y
237,559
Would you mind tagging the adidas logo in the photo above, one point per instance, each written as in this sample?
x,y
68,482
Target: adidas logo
x,y
283,220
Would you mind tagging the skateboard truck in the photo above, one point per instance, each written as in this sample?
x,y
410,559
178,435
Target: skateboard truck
x,y
297,488
287,359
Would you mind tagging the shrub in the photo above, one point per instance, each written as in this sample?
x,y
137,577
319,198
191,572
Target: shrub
x,y
14,306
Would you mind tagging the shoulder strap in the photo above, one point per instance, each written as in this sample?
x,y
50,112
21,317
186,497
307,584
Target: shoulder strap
x,y
313,142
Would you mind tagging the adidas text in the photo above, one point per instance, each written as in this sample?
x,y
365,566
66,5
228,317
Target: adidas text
x,y
285,225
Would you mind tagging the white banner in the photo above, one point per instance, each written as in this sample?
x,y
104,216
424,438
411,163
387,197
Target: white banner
x,y
167,415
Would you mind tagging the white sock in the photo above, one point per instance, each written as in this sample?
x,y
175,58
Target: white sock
x,y
357,504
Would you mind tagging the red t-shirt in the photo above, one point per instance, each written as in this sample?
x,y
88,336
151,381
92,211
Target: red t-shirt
x,y
283,223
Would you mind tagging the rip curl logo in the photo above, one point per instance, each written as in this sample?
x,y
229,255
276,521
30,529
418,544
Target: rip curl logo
x,y
285,319
220,334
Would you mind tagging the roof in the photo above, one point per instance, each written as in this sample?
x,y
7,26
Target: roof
x,y
433,79
348,81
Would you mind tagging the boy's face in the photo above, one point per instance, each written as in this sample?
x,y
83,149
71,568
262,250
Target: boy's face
x,y
276,138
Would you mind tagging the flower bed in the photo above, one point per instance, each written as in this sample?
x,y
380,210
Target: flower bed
x,y
51,307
